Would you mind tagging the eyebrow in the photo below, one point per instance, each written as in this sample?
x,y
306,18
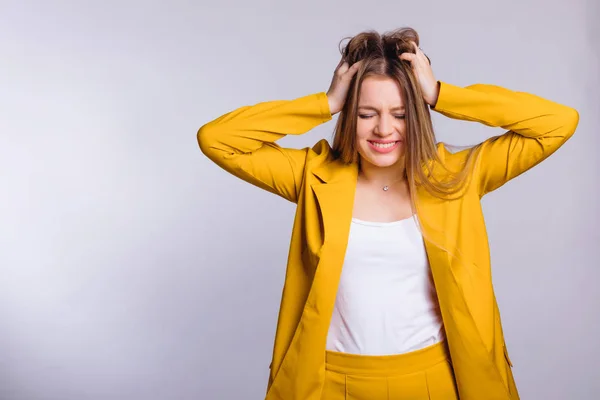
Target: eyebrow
x,y
366,107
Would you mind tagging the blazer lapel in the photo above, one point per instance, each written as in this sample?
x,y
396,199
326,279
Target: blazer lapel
x,y
334,195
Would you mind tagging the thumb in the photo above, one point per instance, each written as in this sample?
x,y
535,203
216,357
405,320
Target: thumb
x,y
408,57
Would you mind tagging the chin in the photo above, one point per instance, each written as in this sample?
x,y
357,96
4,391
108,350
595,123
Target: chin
x,y
382,160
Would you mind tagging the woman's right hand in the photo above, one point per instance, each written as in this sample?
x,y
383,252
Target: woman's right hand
x,y
338,90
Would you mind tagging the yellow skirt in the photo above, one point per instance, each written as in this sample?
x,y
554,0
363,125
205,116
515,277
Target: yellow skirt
x,y
422,374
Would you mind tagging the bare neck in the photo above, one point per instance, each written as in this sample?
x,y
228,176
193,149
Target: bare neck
x,y
382,175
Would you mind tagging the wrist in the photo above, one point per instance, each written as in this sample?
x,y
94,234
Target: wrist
x,y
436,94
333,109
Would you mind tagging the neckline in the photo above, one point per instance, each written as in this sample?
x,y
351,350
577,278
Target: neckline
x,y
383,223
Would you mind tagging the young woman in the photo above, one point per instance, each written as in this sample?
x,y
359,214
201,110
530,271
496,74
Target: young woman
x,y
388,291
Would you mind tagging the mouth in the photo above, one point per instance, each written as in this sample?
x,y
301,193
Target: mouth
x,y
383,146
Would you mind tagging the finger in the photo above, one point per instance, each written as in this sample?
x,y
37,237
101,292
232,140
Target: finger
x,y
418,51
355,67
343,68
421,53
428,60
416,47
408,57
349,72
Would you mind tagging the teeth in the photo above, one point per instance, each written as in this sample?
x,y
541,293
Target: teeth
x,y
383,146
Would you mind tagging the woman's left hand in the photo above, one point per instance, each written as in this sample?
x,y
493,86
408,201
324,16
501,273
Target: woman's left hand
x,y
424,74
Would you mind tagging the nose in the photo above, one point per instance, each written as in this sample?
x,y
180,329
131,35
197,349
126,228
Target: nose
x,y
385,126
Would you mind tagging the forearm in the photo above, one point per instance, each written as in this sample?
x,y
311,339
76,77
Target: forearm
x,y
523,113
247,128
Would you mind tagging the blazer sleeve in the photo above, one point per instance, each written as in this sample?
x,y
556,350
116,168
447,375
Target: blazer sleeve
x,y
537,127
243,141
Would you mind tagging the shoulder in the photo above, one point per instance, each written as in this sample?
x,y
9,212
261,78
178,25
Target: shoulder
x,y
320,153
322,162
322,148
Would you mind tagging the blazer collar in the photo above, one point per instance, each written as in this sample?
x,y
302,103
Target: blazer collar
x,y
335,171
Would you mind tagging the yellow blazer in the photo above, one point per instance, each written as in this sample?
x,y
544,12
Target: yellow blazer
x,y
243,142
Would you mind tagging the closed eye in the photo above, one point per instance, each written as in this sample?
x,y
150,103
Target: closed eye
x,y
363,116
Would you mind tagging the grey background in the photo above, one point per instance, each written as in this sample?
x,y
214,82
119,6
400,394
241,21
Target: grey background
x,y
131,267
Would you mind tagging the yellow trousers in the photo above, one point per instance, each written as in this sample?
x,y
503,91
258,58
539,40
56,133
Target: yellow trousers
x,y
422,374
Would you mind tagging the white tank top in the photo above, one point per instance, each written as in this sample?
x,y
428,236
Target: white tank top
x,y
386,301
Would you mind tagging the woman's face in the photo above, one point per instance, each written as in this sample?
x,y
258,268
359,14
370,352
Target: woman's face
x,y
381,128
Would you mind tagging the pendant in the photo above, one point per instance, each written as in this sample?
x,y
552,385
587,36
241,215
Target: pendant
x,y
385,188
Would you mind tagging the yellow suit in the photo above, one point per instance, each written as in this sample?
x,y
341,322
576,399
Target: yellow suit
x,y
243,142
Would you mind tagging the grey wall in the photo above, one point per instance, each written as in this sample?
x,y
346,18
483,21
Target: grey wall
x,y
131,267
